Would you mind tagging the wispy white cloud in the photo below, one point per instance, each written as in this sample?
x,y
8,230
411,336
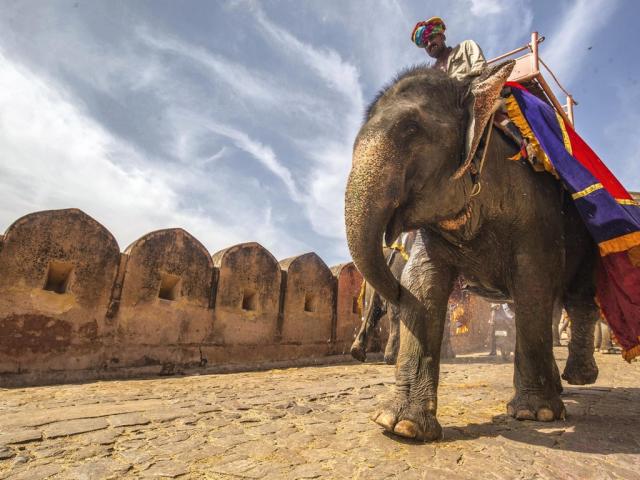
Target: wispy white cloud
x,y
262,153
236,76
626,152
55,156
482,8
566,51
330,156
237,125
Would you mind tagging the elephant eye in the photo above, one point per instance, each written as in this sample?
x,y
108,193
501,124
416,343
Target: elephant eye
x,y
411,128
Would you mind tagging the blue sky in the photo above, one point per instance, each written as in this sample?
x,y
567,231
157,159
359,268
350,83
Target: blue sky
x,y
235,119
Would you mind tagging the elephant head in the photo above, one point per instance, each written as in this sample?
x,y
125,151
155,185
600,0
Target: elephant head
x,y
410,162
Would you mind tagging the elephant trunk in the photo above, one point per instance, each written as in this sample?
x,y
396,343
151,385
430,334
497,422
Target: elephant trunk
x,y
373,193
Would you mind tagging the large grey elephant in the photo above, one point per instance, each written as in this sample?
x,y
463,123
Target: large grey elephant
x,y
511,232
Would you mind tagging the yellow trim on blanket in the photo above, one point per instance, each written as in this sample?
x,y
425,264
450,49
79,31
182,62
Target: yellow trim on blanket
x,y
627,201
620,244
517,117
587,191
632,353
565,135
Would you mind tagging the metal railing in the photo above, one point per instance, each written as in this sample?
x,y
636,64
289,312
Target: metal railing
x,y
528,68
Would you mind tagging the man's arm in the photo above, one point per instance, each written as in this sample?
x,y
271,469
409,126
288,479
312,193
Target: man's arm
x,y
474,58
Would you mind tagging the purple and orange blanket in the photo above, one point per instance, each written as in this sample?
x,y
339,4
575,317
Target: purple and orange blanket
x,y
609,212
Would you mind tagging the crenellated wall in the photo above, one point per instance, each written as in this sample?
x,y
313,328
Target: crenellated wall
x,y
72,306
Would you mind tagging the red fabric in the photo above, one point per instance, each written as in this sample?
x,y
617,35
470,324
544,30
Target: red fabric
x,y
618,287
587,157
515,85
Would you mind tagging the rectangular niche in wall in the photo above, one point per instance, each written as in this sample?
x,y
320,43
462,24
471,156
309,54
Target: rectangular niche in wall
x,y
355,307
169,286
58,276
249,300
310,302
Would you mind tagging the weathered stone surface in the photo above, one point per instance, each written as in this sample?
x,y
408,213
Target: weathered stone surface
x,y
165,295
20,436
102,437
165,469
104,469
58,268
74,427
347,313
324,430
6,453
248,295
127,420
39,472
309,300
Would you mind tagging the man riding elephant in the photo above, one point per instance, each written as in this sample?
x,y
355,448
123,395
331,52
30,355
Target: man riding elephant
x,y
512,233
463,62
460,62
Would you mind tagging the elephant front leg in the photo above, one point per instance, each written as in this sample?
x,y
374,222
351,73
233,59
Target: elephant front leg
x,y
536,380
423,304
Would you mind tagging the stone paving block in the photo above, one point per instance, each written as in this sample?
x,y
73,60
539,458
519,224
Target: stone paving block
x,y
104,469
37,472
167,414
6,453
90,451
165,469
127,420
243,468
20,436
243,434
74,427
102,437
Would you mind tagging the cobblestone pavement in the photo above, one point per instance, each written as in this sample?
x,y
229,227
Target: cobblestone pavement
x,y
313,423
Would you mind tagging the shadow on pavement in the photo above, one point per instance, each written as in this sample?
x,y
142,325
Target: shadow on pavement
x,y
599,420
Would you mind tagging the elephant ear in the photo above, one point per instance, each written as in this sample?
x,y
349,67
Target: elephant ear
x,y
484,100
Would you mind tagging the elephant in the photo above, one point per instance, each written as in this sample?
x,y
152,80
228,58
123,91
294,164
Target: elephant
x,y
376,307
428,157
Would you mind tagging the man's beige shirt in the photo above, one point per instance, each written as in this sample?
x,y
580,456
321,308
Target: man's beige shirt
x,y
465,60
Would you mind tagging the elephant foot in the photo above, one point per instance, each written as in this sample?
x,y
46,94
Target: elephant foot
x,y
581,371
409,421
536,407
390,358
391,352
358,351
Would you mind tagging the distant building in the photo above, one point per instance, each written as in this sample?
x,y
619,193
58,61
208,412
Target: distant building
x,y
636,196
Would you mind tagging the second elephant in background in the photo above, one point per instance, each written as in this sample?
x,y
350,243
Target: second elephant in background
x,y
374,307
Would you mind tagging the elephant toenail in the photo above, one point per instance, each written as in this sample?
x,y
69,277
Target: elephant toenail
x,y
545,415
386,421
406,428
523,414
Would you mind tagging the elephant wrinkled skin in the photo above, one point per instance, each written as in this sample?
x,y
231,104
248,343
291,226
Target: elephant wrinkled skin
x,y
519,237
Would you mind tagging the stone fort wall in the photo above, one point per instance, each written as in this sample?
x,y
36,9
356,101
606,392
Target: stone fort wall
x,y
73,306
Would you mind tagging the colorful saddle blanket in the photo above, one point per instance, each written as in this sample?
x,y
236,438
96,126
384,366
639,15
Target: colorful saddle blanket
x,y
609,212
